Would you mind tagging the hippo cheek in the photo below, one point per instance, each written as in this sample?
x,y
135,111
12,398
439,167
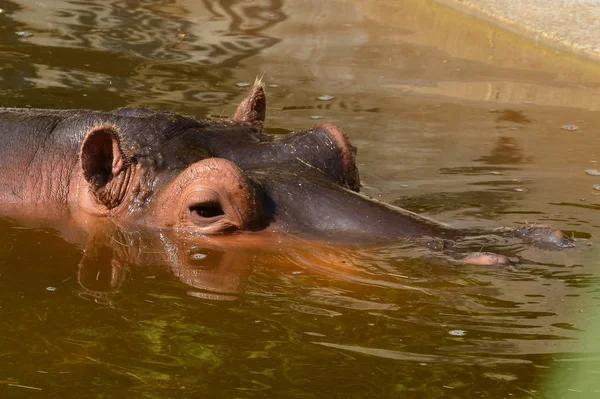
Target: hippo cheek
x,y
210,197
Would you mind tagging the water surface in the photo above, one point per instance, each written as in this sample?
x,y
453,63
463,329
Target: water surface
x,y
452,118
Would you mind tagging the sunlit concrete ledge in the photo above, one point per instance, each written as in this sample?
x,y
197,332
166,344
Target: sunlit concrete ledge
x,y
572,25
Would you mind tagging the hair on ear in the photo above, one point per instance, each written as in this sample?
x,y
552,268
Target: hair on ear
x,y
253,108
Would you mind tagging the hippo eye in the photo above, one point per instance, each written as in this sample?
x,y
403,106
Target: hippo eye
x,y
206,211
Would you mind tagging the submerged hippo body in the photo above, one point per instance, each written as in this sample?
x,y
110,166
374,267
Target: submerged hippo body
x,y
200,177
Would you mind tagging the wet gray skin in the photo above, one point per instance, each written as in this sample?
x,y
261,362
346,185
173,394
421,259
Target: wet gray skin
x,y
304,183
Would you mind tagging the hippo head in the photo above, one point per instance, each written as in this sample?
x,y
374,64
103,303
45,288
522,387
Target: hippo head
x,y
217,177
222,176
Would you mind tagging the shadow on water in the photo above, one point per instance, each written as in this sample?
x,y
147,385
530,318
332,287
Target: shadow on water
x,y
451,117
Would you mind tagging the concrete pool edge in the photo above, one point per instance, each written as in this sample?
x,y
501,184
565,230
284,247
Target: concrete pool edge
x,y
572,26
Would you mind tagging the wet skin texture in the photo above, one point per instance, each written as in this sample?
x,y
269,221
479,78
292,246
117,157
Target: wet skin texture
x,y
207,177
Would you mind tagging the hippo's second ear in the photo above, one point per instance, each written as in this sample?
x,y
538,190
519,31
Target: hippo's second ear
x,y
254,107
102,164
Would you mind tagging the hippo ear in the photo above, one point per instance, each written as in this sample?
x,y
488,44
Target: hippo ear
x,y
102,162
254,107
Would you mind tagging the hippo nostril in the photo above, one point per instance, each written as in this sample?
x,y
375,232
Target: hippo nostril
x,y
206,211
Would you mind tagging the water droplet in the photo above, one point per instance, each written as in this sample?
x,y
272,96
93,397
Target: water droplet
x,y
198,256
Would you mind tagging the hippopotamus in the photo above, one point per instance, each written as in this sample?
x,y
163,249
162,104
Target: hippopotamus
x,y
207,178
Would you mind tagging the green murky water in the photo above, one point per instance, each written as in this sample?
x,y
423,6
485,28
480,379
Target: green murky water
x,y
452,118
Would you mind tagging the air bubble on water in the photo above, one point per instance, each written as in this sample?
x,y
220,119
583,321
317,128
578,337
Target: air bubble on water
x,y
596,187
457,333
325,97
51,289
569,126
23,33
198,256
242,84
316,117
593,172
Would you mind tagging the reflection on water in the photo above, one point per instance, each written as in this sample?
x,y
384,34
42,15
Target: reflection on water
x,y
451,117
512,116
202,32
300,306
505,152
129,50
